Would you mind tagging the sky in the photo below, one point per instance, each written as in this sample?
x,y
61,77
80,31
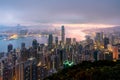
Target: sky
x,y
73,14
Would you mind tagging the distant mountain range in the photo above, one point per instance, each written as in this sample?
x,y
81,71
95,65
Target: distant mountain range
x,y
109,29
9,28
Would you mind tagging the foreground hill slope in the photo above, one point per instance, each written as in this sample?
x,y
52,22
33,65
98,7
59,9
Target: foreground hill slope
x,y
98,70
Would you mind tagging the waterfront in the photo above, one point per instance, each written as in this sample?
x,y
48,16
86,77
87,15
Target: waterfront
x,y
17,42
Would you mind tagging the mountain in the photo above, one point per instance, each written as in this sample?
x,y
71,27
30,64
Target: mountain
x,y
98,70
109,29
10,28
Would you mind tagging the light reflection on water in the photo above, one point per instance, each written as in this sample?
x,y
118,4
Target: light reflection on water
x,y
17,42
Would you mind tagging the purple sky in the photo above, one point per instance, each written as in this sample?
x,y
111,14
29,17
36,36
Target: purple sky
x,y
54,13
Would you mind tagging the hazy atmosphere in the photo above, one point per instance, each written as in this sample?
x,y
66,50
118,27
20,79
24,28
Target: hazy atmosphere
x,y
48,14
59,39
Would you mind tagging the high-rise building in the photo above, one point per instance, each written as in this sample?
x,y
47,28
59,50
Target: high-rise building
x,y
34,71
42,71
118,51
106,42
50,41
56,64
62,56
14,58
26,71
63,34
99,37
56,40
108,55
115,52
7,73
34,44
24,53
80,48
22,45
68,41
100,55
40,53
30,69
74,40
95,55
19,71
1,68
10,47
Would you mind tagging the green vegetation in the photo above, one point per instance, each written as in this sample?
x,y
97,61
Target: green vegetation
x,y
98,70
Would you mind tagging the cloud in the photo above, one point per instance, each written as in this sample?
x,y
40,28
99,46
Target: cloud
x,y
74,14
63,11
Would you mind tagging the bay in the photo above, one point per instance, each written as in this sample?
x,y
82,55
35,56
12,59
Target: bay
x,y
17,42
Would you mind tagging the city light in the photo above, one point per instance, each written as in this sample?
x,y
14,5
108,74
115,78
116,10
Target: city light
x,y
59,39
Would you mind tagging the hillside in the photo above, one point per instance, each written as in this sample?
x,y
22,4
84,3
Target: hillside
x,y
99,70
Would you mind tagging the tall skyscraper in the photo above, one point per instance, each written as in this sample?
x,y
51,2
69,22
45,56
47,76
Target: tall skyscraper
x,y
30,69
22,45
98,36
10,47
50,40
56,40
106,42
42,71
63,34
101,37
34,44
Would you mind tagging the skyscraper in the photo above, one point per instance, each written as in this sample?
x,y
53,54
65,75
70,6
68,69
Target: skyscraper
x,y
22,45
63,34
10,47
7,73
106,42
34,44
50,39
98,36
30,69
68,41
56,40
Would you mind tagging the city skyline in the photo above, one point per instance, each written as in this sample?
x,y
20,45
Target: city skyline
x,y
59,39
41,60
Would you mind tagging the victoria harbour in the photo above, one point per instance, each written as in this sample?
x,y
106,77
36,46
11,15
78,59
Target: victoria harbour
x,y
17,42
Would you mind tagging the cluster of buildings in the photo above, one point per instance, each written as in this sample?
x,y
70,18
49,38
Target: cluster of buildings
x,y
42,60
